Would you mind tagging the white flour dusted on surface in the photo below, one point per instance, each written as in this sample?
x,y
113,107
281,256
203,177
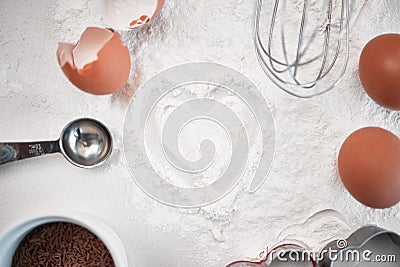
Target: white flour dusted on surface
x,y
37,101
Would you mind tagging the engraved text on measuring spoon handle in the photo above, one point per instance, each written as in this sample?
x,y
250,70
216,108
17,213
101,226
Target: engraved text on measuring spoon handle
x,y
16,151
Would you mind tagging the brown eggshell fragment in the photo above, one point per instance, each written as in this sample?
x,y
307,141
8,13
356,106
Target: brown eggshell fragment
x,y
369,166
98,64
130,14
379,70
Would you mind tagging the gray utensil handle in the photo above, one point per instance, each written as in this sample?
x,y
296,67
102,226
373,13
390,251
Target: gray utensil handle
x,y
16,151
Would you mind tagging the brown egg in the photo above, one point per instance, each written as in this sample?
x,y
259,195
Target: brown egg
x,y
369,166
98,64
379,70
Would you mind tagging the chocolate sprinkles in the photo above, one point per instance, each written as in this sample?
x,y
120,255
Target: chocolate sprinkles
x,y
61,245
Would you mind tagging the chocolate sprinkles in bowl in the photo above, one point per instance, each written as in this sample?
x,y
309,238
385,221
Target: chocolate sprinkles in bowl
x,y
61,244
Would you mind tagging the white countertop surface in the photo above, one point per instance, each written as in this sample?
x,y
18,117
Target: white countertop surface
x,y
37,101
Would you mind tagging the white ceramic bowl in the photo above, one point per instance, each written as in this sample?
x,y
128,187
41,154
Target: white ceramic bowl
x,y
11,238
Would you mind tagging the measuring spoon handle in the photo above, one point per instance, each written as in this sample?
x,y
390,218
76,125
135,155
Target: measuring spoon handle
x,y
10,152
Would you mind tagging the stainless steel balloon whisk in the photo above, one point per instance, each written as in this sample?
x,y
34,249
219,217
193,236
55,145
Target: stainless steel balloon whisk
x,y
303,46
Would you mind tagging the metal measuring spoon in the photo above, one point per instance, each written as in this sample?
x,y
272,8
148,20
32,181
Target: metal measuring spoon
x,y
85,143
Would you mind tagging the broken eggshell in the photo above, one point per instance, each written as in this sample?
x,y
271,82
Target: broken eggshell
x,y
98,64
129,14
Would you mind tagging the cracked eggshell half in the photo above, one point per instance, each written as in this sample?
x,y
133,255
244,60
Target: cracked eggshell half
x,y
98,64
129,14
